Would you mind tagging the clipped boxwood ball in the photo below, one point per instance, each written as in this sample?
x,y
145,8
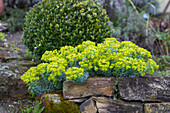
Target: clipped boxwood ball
x,y
52,24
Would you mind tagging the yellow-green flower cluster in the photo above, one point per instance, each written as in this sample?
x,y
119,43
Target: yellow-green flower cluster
x,y
84,45
88,56
74,72
136,52
56,70
103,64
113,55
151,66
126,63
48,56
67,50
110,57
33,74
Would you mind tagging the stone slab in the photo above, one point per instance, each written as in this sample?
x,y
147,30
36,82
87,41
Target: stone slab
x,y
108,105
88,106
146,88
101,86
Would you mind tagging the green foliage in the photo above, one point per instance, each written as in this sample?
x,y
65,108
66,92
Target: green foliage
x,y
14,13
115,91
130,26
63,107
162,74
163,62
76,64
52,24
2,36
163,41
15,17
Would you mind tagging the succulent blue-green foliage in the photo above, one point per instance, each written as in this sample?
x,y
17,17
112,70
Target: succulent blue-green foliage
x,y
105,73
81,79
44,85
52,24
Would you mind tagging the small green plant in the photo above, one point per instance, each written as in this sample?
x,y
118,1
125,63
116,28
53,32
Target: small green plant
x,y
110,58
163,42
31,108
37,108
28,55
52,24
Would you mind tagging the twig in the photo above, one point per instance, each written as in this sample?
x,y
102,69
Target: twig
x,y
133,6
159,47
166,7
166,47
165,60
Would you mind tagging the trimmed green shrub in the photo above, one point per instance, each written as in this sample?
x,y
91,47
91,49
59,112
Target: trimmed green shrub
x,y
52,24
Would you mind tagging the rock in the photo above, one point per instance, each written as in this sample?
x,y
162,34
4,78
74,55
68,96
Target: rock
x,y
28,64
10,57
147,88
55,103
88,106
108,105
19,90
12,88
47,99
5,67
92,87
55,98
8,73
78,100
157,108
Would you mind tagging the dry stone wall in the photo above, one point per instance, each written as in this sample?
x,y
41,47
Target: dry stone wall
x,y
146,94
